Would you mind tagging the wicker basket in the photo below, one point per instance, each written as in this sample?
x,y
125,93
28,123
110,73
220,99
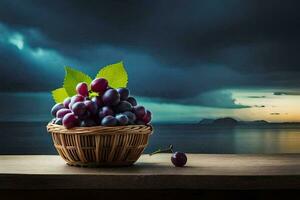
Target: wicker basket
x,y
100,145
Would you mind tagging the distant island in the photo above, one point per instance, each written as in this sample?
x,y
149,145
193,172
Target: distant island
x,y
231,122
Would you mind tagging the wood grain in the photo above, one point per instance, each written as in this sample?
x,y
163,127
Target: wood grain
x,y
155,172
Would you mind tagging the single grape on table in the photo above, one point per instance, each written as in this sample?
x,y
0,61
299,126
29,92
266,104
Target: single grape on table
x,y
102,105
179,159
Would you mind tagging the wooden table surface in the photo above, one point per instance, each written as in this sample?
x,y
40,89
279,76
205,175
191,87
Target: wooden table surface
x,y
203,171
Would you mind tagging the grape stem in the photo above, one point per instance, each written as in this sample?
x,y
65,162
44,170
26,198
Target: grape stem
x,y
167,150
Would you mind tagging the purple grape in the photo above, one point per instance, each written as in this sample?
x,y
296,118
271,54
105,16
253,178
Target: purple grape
x,y
179,159
79,108
96,119
139,111
147,117
109,121
98,101
58,121
67,102
99,85
139,122
88,123
132,101
124,93
85,116
56,108
82,89
70,120
75,99
123,106
62,112
131,116
105,111
111,97
91,106
122,119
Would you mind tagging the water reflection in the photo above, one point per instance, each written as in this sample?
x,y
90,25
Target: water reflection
x,y
32,138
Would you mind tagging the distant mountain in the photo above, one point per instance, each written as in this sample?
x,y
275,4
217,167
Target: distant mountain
x,y
206,121
257,122
226,121
230,122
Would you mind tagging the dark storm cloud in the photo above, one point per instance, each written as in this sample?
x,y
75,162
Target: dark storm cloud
x,y
259,106
176,49
218,99
256,97
286,93
274,113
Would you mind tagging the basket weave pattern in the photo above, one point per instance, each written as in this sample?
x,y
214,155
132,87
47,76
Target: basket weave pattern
x,y
99,145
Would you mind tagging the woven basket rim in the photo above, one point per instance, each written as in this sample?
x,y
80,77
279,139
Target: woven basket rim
x,y
101,129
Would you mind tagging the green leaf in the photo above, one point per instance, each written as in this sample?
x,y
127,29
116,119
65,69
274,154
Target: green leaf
x,y
72,78
115,74
93,94
59,95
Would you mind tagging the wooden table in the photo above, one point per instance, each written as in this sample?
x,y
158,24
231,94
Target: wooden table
x,y
203,172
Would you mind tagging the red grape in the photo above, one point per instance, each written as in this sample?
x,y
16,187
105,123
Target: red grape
x,y
70,120
82,89
62,112
75,99
147,117
67,102
139,111
99,85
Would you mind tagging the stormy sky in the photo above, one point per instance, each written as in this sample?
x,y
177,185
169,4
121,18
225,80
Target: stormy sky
x,y
232,57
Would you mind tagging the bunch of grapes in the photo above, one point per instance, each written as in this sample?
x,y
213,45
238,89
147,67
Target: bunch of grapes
x,y
112,107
